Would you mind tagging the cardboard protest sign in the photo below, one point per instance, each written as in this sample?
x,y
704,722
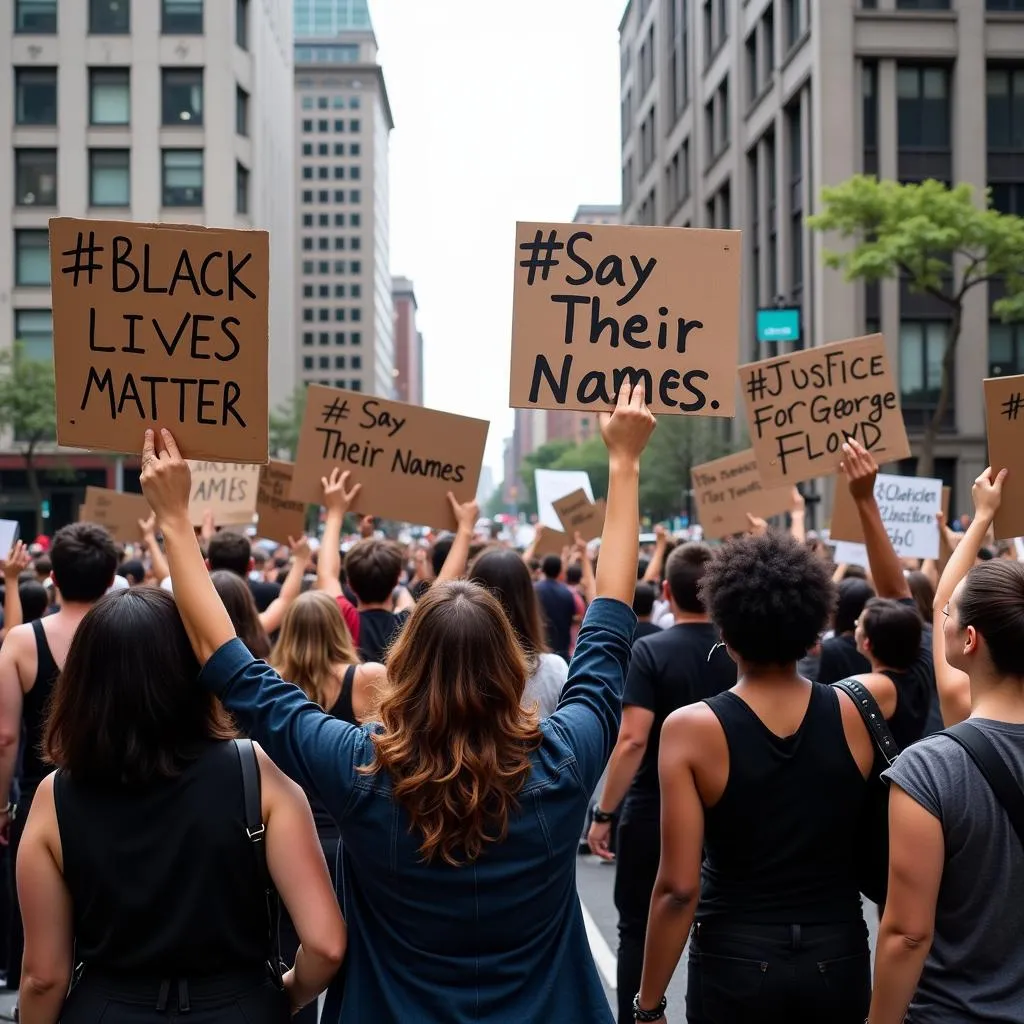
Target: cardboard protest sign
x,y
228,490
407,458
551,485
848,553
551,542
160,325
803,407
118,512
908,506
594,306
726,489
279,516
8,535
1004,400
578,514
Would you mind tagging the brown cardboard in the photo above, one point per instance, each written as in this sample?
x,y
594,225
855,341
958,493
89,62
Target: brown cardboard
x,y
578,514
118,512
227,489
1004,402
726,489
552,542
406,457
677,330
154,329
279,517
801,409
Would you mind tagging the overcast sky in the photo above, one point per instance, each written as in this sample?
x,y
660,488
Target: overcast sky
x,y
503,112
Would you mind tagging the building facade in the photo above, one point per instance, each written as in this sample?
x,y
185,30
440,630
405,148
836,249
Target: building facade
x,y
345,318
736,114
175,111
408,343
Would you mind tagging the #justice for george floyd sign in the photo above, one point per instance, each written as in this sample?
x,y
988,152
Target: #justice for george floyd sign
x,y
161,325
596,307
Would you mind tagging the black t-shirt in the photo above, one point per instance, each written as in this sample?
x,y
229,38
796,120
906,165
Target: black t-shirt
x,y
264,594
559,608
667,671
645,629
840,659
377,628
917,704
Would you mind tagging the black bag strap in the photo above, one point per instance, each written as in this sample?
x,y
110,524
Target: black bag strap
x,y
252,802
869,710
991,764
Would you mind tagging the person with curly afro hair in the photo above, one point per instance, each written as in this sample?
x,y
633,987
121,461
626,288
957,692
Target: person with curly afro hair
x,y
763,784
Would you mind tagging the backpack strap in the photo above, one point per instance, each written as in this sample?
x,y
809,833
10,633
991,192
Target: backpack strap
x,y
869,710
990,763
256,831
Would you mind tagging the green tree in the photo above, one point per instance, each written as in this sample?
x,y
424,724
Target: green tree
x,y
28,409
677,445
495,504
940,242
591,456
286,423
543,457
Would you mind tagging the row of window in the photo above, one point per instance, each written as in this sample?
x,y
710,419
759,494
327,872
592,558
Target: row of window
x,y
354,195
324,338
340,315
337,171
323,220
109,100
324,244
311,267
338,102
324,149
354,125
114,18
341,291
945,5
324,363
181,173
353,385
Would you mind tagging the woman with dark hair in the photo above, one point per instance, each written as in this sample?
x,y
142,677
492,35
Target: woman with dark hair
x,y
923,593
506,576
460,815
764,784
135,856
234,592
840,658
951,940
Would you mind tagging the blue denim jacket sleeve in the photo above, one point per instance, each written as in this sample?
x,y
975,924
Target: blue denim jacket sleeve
x,y
587,717
311,747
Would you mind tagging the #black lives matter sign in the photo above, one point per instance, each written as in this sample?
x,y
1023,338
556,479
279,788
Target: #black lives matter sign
x,y
803,407
406,457
161,325
595,307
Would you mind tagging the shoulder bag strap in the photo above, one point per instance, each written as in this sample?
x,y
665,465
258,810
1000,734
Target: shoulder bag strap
x,y
873,718
256,831
991,764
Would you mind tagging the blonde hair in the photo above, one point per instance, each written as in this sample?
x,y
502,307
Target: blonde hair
x,y
313,641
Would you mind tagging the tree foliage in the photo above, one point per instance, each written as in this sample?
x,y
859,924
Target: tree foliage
x,y
286,423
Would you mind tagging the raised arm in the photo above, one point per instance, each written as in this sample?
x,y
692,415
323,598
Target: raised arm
x,y
12,568
157,561
798,517
657,562
884,564
466,516
337,501
588,582
272,618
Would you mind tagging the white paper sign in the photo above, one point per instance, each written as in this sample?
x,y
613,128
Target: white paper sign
x,y
849,553
909,506
553,484
8,535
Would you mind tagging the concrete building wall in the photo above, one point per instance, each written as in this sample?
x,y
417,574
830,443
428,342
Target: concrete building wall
x,y
408,343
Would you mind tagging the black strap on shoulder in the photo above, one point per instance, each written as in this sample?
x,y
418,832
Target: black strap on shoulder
x,y
252,802
991,764
873,718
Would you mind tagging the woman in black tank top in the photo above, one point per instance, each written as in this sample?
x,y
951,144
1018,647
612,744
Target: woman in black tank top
x,y
763,783
136,854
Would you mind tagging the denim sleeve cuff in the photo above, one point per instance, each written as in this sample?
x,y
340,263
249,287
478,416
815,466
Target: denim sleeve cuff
x,y
612,615
229,659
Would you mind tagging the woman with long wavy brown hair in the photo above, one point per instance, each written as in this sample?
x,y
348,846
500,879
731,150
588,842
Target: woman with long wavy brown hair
x,y
460,815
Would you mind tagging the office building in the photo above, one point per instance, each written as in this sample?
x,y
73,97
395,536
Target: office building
x,y
408,343
735,114
345,318
144,110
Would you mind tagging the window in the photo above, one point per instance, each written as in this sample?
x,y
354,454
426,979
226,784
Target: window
x,y
110,17
753,78
307,173
307,125
307,362
339,266
307,291
109,177
339,172
308,266
1004,5
1008,198
356,314
339,315
355,196
339,362
307,149
768,35
647,141
796,199
307,102
324,338
242,24
323,196
339,242
339,337
109,96
307,196
324,291
356,267
323,244
356,172
355,243
35,177
1005,349
339,195
355,220
307,244
353,126
183,96
339,220
356,385
241,111
922,109
324,220
355,291
324,315
678,185
307,315
869,113
356,338
38,17
354,103
32,259
183,177
794,12
679,56
922,346
322,149
357,363
646,61
339,291
323,267
241,189
34,329
182,18
321,103
321,126
922,5
307,337
354,149
322,172
35,92
1005,107
339,126
325,362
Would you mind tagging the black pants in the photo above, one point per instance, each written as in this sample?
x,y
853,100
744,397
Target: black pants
x,y
637,850
778,974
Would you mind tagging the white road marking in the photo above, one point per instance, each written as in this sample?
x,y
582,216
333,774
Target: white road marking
x,y
606,961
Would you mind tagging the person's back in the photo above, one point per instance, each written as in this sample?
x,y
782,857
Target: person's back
x,y
557,605
373,568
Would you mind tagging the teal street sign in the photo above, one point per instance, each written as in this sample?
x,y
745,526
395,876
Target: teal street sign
x,y
778,324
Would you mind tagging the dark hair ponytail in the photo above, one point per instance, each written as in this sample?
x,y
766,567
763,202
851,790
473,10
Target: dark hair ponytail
x,y
992,601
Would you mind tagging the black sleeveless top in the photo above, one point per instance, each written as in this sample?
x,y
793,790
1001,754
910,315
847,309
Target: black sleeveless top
x,y
779,845
342,708
164,880
33,715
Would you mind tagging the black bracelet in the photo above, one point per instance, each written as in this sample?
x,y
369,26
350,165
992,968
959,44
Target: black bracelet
x,y
602,817
648,1015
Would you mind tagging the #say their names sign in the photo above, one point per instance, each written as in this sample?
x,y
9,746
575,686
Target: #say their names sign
x,y
226,489
160,325
1004,402
726,489
279,516
406,457
596,306
801,408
